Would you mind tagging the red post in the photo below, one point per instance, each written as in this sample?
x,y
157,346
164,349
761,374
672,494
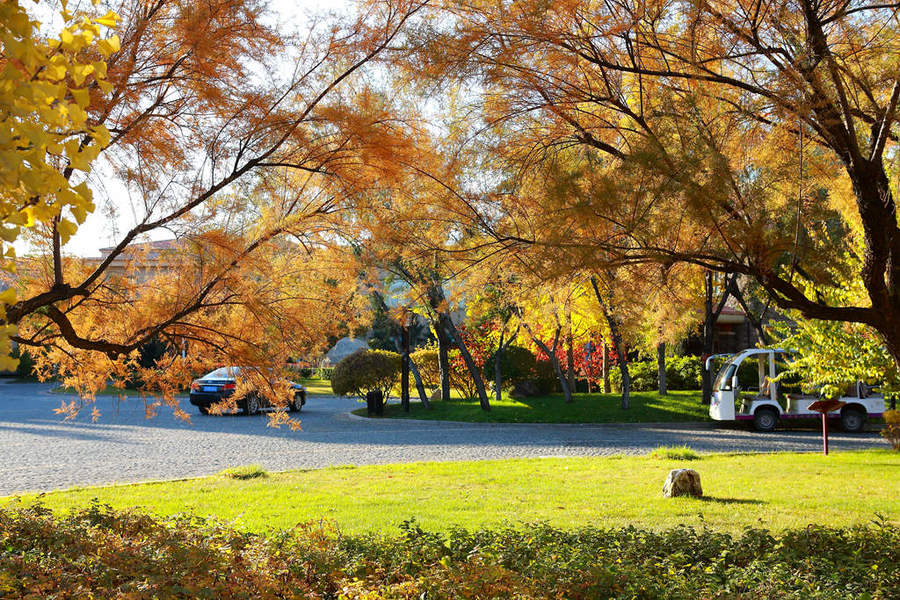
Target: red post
x,y
824,407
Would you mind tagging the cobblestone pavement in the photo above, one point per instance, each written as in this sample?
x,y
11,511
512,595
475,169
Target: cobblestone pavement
x,y
42,452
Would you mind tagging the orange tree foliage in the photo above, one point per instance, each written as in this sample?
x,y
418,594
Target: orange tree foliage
x,y
743,137
252,166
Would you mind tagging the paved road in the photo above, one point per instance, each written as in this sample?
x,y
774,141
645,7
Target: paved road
x,y
42,452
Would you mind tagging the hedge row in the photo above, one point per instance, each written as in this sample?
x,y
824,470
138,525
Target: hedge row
x,y
98,552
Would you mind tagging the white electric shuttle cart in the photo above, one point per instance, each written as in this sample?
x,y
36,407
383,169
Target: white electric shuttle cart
x,y
764,405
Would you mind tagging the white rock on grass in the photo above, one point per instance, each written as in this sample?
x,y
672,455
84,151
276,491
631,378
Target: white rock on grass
x,y
682,482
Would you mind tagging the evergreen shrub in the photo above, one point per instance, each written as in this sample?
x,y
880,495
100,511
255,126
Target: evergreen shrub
x,y
365,371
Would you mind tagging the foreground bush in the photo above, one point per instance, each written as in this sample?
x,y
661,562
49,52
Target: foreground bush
x,y
97,552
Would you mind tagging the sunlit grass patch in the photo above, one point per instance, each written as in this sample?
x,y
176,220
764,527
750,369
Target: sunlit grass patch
x,y
675,453
646,407
245,472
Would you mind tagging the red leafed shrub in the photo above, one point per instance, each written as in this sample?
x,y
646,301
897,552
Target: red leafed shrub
x,y
587,357
478,345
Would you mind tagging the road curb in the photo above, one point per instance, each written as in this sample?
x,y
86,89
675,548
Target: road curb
x,y
688,425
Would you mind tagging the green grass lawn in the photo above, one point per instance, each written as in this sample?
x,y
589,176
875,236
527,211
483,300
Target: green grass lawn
x,y
646,407
775,491
316,387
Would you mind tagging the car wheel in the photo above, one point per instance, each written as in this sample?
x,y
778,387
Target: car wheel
x,y
853,419
765,419
296,404
204,410
251,405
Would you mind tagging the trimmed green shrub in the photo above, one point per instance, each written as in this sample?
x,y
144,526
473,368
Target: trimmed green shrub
x,y
545,377
516,364
426,360
643,375
682,373
365,371
642,378
102,553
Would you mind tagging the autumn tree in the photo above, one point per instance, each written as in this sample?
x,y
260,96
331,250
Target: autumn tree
x,y
490,307
250,165
428,284
541,308
403,324
722,134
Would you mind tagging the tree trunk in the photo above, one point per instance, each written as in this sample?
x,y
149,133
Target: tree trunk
x,y
403,347
881,258
420,387
705,377
498,359
447,330
570,353
709,323
622,359
551,353
661,367
404,370
474,371
588,365
605,367
626,380
618,346
754,322
498,371
443,361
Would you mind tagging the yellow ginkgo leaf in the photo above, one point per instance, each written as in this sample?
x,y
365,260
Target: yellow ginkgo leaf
x,y
81,96
109,19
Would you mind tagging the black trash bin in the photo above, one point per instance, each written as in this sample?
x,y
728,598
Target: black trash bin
x,y
375,403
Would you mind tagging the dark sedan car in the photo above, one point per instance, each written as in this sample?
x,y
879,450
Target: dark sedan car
x,y
221,383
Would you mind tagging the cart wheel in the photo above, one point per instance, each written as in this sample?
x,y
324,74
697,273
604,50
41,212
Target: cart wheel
x,y
853,419
765,419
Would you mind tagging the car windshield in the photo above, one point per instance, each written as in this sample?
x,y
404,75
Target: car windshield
x,y
223,373
723,379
